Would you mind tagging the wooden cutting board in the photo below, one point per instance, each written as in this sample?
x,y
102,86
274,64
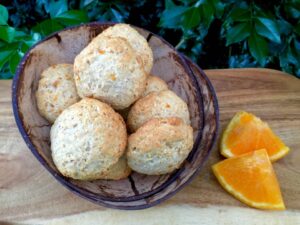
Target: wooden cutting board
x,y
30,195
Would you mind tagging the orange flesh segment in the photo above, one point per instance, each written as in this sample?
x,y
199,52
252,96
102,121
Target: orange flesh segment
x,y
247,133
251,179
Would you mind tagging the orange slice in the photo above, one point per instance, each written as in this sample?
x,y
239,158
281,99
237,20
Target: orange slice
x,y
247,133
251,179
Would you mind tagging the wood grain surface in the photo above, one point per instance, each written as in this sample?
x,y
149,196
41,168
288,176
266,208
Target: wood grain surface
x,y
30,195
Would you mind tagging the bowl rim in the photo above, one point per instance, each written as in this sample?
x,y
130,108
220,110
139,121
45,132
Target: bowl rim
x,y
81,191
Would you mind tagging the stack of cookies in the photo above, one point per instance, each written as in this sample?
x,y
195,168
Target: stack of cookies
x,y
89,102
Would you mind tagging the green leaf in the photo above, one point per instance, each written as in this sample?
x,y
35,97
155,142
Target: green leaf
x,y
3,15
197,49
297,28
219,9
122,10
169,4
258,48
47,27
191,18
291,55
5,53
111,15
238,33
172,17
14,62
4,57
7,33
242,61
28,41
5,74
86,2
288,58
240,14
32,39
56,8
297,46
295,13
207,12
285,28
20,35
73,17
268,29
258,12
199,2
292,9
117,15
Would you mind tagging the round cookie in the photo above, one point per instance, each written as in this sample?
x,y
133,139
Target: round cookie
x,y
137,41
87,139
118,171
56,91
159,146
154,84
108,69
157,105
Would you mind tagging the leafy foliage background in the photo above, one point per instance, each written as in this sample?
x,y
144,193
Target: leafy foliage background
x,y
214,33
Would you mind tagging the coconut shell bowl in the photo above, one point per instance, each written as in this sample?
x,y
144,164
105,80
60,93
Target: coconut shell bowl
x,y
183,76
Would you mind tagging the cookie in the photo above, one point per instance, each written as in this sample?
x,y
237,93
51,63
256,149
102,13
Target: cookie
x,y
137,41
87,139
118,171
56,91
159,146
157,105
154,84
109,70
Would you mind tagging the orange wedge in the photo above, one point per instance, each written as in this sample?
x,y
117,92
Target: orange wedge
x,y
251,179
247,133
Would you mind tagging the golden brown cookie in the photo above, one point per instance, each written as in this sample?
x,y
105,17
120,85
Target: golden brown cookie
x,y
56,91
154,84
159,146
108,69
118,171
87,139
157,105
137,41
